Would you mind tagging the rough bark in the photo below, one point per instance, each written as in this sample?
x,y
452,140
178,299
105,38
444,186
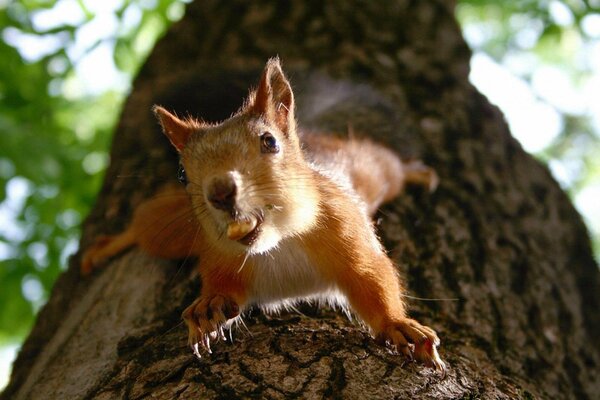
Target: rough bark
x,y
498,235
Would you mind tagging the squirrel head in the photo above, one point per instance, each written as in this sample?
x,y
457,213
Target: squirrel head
x,y
248,181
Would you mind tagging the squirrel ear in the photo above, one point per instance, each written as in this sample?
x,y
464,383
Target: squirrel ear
x,y
274,98
177,131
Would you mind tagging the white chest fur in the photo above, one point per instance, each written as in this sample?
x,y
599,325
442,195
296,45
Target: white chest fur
x,y
285,275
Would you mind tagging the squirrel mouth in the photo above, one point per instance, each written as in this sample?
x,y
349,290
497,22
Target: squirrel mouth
x,y
245,231
251,236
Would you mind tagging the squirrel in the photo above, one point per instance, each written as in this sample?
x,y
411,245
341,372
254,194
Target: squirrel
x,y
276,216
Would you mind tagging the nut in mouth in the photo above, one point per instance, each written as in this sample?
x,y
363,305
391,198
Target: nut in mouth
x,y
245,231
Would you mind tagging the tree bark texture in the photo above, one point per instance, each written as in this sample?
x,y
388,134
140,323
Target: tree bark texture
x,y
498,240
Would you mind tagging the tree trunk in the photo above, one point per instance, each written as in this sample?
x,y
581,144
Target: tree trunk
x,y
498,240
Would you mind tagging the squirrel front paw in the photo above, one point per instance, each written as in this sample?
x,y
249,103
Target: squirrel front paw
x,y
415,341
205,318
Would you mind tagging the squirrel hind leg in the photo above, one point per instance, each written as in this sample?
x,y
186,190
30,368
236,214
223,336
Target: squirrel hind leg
x,y
104,247
417,173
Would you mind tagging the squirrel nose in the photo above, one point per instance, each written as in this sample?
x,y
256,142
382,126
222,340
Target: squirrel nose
x,y
221,193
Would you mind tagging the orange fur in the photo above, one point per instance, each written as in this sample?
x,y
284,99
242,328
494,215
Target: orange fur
x,y
308,232
163,226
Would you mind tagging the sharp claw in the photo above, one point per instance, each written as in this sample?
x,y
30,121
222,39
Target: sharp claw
x,y
439,364
407,353
442,369
195,350
207,344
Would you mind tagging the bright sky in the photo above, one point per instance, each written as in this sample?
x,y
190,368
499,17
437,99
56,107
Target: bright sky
x,y
533,122
531,110
7,355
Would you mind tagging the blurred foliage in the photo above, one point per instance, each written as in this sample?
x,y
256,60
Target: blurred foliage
x,y
562,37
54,134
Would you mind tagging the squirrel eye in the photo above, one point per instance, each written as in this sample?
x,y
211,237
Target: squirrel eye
x,y
268,143
181,176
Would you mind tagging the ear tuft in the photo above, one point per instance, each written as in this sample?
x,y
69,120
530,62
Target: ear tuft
x,y
177,130
274,98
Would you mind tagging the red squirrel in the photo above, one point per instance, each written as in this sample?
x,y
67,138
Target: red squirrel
x,y
275,219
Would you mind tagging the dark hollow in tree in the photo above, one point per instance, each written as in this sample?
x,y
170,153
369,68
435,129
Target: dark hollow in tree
x,y
498,235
